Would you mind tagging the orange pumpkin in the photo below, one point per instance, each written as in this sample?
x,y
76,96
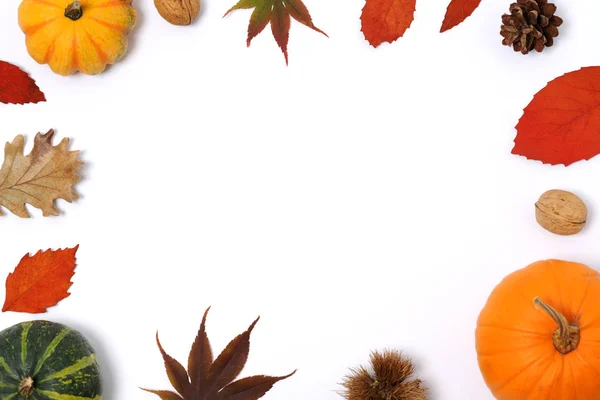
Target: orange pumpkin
x,y
80,35
538,336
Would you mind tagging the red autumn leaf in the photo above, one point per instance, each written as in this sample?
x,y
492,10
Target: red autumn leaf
x,y
16,87
278,14
40,281
457,12
561,125
386,20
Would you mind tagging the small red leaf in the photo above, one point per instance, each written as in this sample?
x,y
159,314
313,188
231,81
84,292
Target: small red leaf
x,y
251,388
258,20
300,13
164,394
175,371
40,281
457,12
561,125
230,362
280,26
16,87
386,20
201,357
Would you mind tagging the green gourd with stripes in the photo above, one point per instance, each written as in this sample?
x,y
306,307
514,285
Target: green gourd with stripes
x,y
41,360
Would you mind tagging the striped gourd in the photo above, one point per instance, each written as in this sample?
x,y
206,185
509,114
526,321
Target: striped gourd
x,y
41,360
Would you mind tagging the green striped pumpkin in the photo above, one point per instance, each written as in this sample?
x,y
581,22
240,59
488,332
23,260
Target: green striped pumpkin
x,y
41,360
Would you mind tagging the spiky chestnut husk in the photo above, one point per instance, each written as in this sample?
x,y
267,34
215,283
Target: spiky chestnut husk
x,y
387,378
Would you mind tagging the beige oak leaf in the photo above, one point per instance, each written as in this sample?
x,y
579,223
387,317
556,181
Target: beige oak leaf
x,y
44,175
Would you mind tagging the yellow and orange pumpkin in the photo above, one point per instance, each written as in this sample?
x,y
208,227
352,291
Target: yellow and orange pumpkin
x,y
76,35
538,336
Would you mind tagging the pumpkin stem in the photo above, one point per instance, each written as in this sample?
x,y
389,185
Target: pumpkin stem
x,y
26,387
73,10
566,337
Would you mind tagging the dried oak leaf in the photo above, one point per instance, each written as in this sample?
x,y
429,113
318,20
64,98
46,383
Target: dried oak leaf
x,y
16,87
44,175
386,20
40,281
387,378
278,13
561,125
457,12
206,379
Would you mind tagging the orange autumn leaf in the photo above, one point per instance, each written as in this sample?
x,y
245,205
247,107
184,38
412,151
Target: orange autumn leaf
x,y
457,12
40,281
386,20
561,125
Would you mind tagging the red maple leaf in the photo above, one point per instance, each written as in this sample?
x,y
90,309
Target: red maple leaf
x,y
40,281
278,13
457,12
561,125
386,20
16,87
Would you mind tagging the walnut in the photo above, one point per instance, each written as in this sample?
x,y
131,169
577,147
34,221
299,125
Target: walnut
x,y
561,212
178,12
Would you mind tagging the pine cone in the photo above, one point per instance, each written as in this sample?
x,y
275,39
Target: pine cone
x,y
530,25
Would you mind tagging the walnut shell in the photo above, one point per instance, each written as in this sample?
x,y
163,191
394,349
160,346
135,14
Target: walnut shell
x,y
178,12
561,212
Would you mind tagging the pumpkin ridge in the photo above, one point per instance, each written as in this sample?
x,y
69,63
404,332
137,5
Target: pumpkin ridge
x,y
583,298
560,374
45,2
573,377
116,27
50,349
75,60
77,366
544,371
26,326
50,48
512,378
117,3
5,366
500,353
504,328
59,396
97,47
559,370
587,363
557,282
588,341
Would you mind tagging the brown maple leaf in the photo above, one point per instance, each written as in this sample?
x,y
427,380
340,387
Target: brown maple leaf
x,y
44,175
206,379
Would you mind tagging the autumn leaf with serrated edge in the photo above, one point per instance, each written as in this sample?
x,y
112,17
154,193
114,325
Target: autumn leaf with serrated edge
x,y
40,281
17,87
44,175
457,12
386,20
561,125
206,379
278,13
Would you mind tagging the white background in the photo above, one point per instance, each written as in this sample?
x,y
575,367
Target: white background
x,y
358,199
